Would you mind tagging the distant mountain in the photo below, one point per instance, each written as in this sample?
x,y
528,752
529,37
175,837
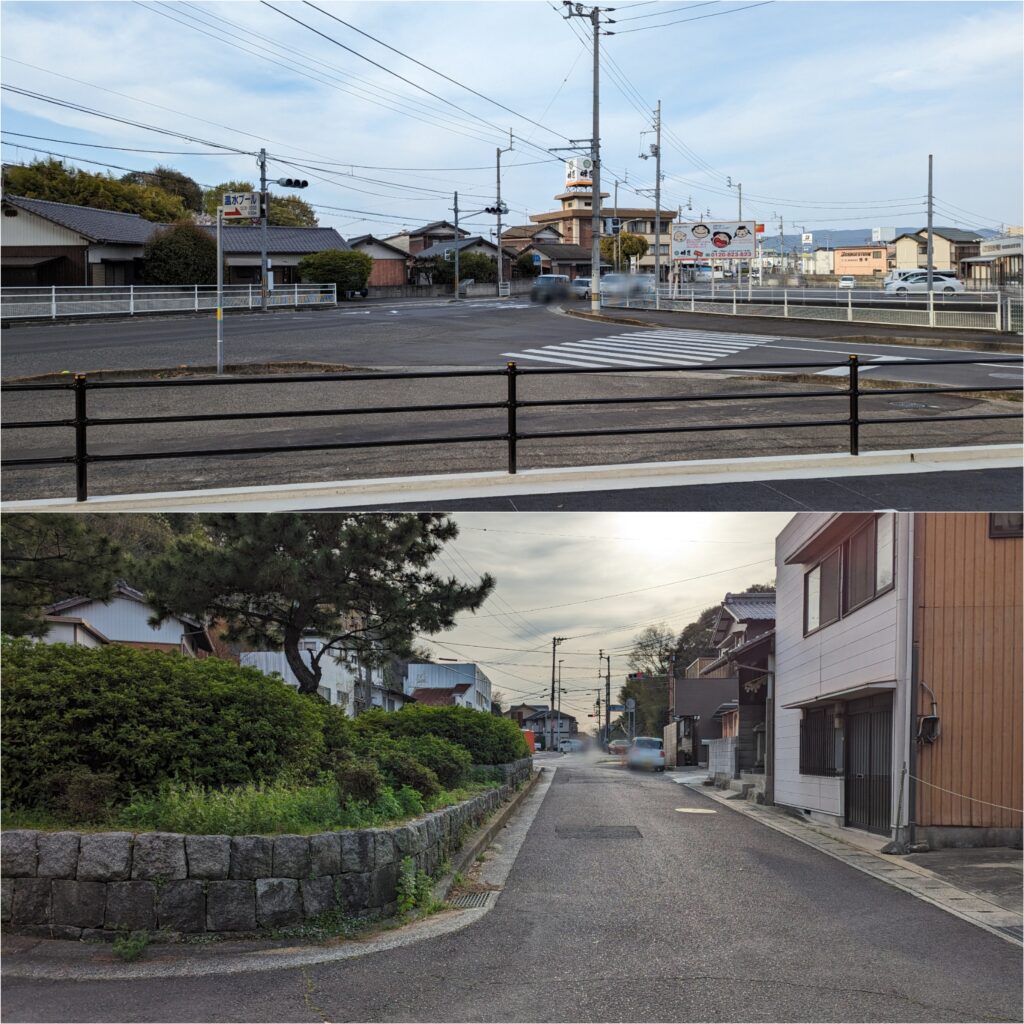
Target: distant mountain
x,y
833,238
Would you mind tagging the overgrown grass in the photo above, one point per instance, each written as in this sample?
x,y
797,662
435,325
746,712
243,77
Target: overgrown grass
x,y
130,947
271,808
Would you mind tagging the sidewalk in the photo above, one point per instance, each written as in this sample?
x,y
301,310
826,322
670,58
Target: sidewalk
x,y
982,886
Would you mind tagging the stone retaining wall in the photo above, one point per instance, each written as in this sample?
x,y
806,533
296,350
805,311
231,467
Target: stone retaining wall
x,y
85,885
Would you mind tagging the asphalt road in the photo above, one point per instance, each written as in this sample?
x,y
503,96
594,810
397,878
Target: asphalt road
x,y
475,333
621,908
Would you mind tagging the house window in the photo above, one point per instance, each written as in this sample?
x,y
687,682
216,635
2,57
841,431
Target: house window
x,y
858,571
1005,524
821,750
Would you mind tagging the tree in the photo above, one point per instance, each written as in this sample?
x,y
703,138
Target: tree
x,y
650,650
695,639
46,558
348,270
629,245
362,583
171,181
182,254
477,266
53,181
285,211
526,267
437,270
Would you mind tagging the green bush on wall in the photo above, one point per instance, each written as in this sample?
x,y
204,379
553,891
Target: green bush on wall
x,y
145,717
488,738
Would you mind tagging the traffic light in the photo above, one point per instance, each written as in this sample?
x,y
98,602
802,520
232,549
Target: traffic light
x,y
293,182
496,209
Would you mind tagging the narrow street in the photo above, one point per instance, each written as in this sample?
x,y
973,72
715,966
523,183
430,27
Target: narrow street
x,y
623,905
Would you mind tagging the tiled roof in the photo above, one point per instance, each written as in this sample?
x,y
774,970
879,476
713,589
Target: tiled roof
x,y
96,225
373,240
292,241
528,230
441,697
556,251
751,607
439,248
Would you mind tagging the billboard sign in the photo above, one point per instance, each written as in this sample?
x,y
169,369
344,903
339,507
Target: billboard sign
x,y
241,205
719,240
579,171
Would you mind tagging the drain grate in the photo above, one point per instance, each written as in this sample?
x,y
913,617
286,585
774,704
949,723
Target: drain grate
x,y
598,832
1015,931
468,900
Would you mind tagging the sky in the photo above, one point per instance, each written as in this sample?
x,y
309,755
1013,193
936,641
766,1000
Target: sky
x,y
824,111
597,579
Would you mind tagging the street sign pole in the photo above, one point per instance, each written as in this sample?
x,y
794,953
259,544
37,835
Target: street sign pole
x,y
220,292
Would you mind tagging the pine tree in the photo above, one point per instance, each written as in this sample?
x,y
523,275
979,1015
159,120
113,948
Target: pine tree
x,y
361,582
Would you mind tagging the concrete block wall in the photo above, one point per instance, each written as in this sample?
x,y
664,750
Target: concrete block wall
x,y
86,885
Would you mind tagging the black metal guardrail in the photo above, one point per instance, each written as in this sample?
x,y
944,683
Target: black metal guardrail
x,y
80,386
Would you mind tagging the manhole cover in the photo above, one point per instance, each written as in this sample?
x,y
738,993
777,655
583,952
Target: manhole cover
x,y
1015,931
468,900
598,831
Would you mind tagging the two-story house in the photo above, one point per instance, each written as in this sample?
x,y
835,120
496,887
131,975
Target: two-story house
x,y
897,674
463,684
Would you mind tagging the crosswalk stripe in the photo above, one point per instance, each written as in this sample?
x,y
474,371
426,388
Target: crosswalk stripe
x,y
677,344
646,346
688,358
643,358
532,355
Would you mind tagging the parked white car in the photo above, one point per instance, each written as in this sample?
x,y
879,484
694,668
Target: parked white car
x,y
847,281
919,283
646,752
570,746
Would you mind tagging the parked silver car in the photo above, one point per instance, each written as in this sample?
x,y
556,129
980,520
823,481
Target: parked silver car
x,y
919,283
581,288
646,752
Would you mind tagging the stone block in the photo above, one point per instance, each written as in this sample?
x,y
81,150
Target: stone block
x,y
383,848
18,853
131,906
325,854
231,906
208,856
66,931
291,857
181,905
31,901
355,891
278,902
58,854
317,895
251,857
79,904
406,841
383,885
357,851
6,899
159,856
104,857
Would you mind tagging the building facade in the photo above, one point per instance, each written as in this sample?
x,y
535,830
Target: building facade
x,y
950,246
860,260
897,674
466,683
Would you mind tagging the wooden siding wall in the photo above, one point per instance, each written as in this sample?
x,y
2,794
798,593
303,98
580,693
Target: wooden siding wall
x,y
967,599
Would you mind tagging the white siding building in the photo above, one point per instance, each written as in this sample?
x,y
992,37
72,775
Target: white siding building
x,y
842,665
468,685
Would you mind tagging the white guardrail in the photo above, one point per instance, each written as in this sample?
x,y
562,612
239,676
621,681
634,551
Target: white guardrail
x,y
987,311
58,301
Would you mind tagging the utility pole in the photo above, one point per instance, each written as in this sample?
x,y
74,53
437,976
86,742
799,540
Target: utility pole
x,y
265,210
559,740
594,16
931,239
555,641
657,206
618,227
456,209
782,248
608,696
498,209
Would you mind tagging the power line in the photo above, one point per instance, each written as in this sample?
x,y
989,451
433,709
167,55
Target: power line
x,y
700,17
122,149
661,14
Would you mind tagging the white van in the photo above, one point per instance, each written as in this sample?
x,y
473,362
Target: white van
x,y
898,275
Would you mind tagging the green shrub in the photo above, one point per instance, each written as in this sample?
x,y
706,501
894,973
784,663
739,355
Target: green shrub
x,y
450,762
144,718
401,768
132,946
488,738
359,779
84,795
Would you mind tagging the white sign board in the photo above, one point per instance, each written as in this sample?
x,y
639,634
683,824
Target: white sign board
x,y
579,171
707,240
807,238
241,205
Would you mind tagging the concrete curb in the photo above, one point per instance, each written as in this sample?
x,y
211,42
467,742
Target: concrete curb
x,y
994,344
497,483
484,837
915,881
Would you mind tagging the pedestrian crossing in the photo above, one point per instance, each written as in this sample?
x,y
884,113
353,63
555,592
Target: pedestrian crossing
x,y
665,347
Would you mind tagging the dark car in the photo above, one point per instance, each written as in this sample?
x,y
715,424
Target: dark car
x,y
550,288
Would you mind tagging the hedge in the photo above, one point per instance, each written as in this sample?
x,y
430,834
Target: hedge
x,y
145,717
488,738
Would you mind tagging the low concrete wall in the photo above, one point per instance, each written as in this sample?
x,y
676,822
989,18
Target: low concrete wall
x,y
86,885
520,286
